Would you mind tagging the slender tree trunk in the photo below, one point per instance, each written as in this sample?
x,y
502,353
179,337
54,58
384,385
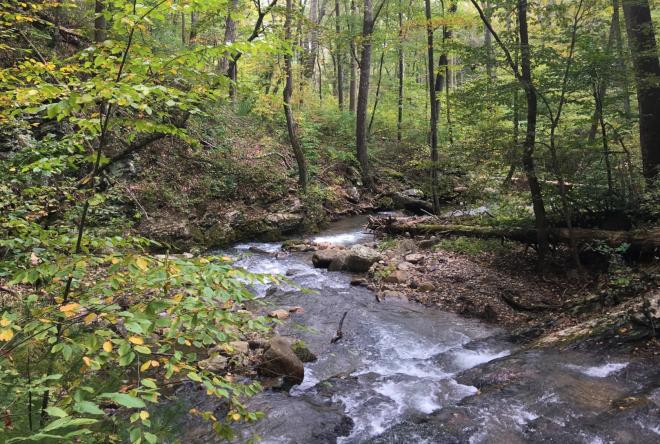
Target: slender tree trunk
x,y
288,112
193,28
488,45
230,67
401,73
443,64
183,28
378,82
433,99
621,58
312,44
363,95
530,135
99,22
340,65
641,37
352,84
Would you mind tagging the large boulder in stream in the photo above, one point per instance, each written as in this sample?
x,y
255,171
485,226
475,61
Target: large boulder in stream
x,y
323,258
279,360
360,258
357,259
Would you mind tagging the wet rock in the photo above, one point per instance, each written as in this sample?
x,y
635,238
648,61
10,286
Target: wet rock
x,y
258,250
292,272
279,314
323,258
359,258
280,360
216,364
414,258
413,192
358,281
405,266
297,245
337,264
397,277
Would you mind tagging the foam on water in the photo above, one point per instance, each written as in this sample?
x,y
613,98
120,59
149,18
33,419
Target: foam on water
x,y
352,237
466,359
600,371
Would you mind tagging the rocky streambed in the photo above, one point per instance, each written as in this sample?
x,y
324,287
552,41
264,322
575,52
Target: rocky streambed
x,y
406,373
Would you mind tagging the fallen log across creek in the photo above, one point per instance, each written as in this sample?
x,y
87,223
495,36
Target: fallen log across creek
x,y
643,238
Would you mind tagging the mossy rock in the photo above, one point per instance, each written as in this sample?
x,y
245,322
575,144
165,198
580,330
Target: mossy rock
x,y
304,354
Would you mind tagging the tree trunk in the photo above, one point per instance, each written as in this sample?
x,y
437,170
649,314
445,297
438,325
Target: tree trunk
x,y
433,99
646,239
99,22
488,45
400,72
623,69
352,84
363,95
530,135
378,82
288,112
230,67
641,38
340,65
312,44
193,28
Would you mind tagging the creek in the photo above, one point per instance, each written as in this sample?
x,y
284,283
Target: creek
x,y
405,373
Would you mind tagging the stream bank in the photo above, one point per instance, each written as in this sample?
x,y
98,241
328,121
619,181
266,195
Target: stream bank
x,y
405,373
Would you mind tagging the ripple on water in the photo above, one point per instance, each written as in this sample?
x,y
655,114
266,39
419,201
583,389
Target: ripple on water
x,y
599,371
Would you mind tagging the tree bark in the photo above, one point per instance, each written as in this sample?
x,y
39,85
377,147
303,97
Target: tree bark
x,y
288,112
363,92
530,135
352,84
636,238
340,64
641,37
433,99
99,22
378,82
230,66
401,73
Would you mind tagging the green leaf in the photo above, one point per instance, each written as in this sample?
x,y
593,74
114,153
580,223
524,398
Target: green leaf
x,y
68,422
125,400
150,437
56,412
88,407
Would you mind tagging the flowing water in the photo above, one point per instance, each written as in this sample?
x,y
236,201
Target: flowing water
x,y
401,373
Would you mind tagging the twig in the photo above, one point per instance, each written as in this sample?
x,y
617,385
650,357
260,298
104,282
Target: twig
x,y
340,333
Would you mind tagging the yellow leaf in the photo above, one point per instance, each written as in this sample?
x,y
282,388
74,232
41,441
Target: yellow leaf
x,y
177,297
89,318
142,263
6,334
203,260
87,361
70,308
145,366
236,417
136,340
4,322
114,261
154,363
226,258
107,346
144,415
